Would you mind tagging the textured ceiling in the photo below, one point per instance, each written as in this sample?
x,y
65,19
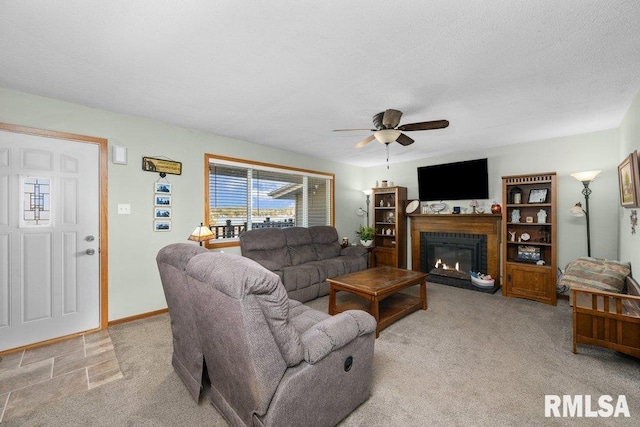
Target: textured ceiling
x,y
285,73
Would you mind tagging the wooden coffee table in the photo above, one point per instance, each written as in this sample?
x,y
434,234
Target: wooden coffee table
x,y
377,291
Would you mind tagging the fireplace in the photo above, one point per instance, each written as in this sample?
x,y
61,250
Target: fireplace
x,y
462,252
448,247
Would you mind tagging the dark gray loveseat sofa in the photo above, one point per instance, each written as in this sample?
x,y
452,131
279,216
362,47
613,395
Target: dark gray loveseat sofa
x,y
303,258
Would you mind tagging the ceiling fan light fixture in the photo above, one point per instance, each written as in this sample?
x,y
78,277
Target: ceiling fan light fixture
x,y
386,136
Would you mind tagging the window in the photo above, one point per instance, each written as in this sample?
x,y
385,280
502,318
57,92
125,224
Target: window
x,y
243,195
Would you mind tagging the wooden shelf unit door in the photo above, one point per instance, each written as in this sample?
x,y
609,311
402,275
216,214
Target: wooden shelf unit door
x,y
390,224
529,235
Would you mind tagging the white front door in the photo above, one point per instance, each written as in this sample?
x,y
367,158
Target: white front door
x,y
49,238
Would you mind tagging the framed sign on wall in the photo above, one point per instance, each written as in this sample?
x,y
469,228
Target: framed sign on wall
x,y
151,164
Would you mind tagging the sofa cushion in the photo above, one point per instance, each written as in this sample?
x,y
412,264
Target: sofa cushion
x,y
353,263
266,244
601,274
332,267
325,241
300,276
299,245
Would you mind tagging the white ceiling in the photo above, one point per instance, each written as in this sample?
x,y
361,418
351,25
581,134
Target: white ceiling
x,y
285,73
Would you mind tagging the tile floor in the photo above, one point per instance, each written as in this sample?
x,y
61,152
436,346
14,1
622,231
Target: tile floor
x,y
43,375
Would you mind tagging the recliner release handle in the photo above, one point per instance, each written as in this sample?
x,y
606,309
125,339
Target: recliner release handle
x,y
348,363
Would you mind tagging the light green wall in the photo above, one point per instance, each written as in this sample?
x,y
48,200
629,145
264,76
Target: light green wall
x,y
562,155
134,283
629,141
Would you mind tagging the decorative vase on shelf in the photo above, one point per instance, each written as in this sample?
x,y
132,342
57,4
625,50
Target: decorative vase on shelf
x,y
542,216
496,208
515,215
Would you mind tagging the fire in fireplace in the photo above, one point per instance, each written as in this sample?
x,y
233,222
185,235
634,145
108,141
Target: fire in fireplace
x,y
450,257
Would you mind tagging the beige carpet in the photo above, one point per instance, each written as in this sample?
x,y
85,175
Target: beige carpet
x,y
471,359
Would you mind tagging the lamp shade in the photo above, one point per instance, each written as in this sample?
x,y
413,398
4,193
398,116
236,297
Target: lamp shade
x,y
386,136
577,210
367,192
201,234
585,176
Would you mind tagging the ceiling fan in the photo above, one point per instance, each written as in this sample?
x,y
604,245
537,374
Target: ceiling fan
x,y
387,130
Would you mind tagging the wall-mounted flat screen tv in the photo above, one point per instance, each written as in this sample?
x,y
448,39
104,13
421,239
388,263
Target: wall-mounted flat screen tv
x,y
454,181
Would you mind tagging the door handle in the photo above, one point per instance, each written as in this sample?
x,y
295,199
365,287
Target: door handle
x,y
90,251
89,238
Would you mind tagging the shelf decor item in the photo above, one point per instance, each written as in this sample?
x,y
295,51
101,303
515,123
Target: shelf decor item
x,y
366,235
528,254
412,206
538,195
515,195
542,216
529,247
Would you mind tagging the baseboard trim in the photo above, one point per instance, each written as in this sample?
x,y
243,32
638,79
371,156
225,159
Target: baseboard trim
x,y
138,317
77,334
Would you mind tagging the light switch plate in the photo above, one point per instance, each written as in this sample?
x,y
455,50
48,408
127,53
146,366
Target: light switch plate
x,y
124,209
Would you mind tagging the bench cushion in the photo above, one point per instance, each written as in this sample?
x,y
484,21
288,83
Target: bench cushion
x,y
602,274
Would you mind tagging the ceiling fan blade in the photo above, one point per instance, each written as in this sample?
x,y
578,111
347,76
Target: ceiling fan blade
x,y
377,121
365,141
435,124
391,118
404,140
354,130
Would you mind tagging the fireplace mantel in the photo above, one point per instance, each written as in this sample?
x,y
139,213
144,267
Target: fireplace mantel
x,y
487,224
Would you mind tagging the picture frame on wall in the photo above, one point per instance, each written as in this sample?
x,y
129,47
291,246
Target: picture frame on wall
x,y
161,225
628,181
163,188
162,200
162,213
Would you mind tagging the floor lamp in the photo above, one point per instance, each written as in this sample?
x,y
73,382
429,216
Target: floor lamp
x,y
361,211
577,211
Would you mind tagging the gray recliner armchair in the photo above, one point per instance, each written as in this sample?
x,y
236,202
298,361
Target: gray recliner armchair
x,y
273,361
187,359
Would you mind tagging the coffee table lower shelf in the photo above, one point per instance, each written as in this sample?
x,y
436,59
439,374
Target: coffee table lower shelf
x,y
390,309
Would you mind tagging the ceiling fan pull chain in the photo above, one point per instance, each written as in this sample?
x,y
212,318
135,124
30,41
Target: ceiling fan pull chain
x,y
387,145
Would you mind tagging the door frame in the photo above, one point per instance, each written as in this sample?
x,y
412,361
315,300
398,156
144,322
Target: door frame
x,y
103,208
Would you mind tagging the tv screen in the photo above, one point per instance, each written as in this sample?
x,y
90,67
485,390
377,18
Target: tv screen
x,y
454,181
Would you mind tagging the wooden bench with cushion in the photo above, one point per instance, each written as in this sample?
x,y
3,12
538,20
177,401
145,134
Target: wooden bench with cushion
x,y
607,319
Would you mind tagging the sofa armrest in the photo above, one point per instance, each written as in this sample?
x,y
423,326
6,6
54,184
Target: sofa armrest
x,y
335,332
353,250
587,299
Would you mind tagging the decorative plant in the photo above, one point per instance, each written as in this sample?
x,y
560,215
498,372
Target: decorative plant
x,y
365,233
